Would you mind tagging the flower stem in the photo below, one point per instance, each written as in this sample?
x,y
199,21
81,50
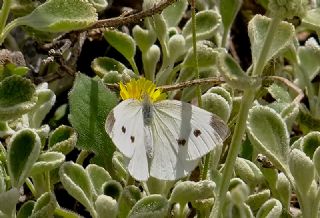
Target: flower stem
x,y
240,128
5,10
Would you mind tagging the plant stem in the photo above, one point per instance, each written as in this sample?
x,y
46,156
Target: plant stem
x,y
134,66
5,10
240,128
6,30
31,187
258,68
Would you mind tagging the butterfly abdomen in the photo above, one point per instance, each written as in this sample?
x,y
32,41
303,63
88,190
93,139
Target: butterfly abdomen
x,y
147,112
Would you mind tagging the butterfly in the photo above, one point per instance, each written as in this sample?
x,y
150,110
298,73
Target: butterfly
x,y
162,138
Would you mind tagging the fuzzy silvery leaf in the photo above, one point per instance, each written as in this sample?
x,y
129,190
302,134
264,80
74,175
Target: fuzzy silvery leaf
x,y
17,97
25,210
290,114
248,171
103,65
174,13
207,56
239,191
284,190
159,26
232,72
257,33
302,170
120,164
3,175
90,102
308,122
176,47
98,176
60,16
46,162
77,183
155,206
207,21
8,201
270,209
5,129
229,10
309,61
189,191
128,198
255,200
312,20
279,93
44,206
310,143
122,42
268,133
112,188
46,99
150,60
316,161
143,37
106,206
24,150
99,5
62,139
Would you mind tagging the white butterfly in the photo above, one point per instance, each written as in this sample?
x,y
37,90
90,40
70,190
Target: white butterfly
x,y
163,139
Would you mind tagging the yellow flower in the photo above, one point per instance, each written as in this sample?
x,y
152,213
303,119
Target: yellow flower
x,y
137,89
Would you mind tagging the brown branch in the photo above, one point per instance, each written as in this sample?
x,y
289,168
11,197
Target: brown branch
x,y
134,18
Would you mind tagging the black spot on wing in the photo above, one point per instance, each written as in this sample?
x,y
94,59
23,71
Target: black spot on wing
x,y
123,129
181,141
196,132
132,139
110,122
219,126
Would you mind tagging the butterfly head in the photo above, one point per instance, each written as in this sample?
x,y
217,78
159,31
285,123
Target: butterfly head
x,y
141,89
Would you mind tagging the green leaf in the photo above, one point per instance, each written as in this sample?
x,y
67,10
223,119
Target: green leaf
x,y
99,5
279,93
268,133
316,161
216,104
8,201
229,10
46,99
17,97
189,191
232,72
128,198
90,103
47,162
310,143
248,171
24,150
257,29
144,38
302,170
271,208
26,209
122,42
62,139
77,183
44,206
284,190
174,13
155,206
106,206
98,176
255,200
312,20
208,23
103,66
309,61
112,188
60,16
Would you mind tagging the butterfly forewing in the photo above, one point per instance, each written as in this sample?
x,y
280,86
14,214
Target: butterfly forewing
x,y
125,126
193,131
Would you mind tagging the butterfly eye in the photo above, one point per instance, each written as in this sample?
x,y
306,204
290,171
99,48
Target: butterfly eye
x,y
132,139
196,132
123,129
181,141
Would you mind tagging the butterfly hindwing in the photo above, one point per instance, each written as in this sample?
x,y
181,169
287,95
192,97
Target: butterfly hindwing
x,y
125,126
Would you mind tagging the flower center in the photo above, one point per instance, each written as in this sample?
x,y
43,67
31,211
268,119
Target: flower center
x,y
141,88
